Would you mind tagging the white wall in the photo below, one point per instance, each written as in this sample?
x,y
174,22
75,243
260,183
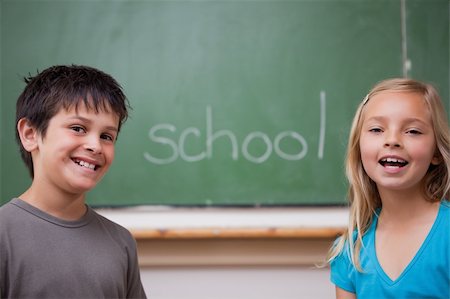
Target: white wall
x,y
237,283
178,262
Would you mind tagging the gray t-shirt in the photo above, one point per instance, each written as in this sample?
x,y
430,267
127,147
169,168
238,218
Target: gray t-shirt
x,y
42,256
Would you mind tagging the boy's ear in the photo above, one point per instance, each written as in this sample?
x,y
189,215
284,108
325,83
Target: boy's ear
x,y
28,134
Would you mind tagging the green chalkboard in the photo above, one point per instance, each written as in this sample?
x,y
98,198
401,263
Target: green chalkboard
x,y
234,102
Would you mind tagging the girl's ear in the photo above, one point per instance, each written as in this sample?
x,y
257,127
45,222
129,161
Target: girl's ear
x,y
437,159
28,134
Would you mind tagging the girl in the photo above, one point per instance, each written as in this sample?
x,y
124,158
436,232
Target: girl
x,y
397,244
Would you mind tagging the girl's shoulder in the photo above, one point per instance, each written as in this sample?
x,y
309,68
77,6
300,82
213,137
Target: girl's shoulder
x,y
445,209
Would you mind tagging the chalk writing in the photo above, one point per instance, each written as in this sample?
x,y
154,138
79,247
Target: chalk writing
x,y
177,148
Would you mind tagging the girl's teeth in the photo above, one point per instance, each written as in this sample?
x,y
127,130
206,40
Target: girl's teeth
x,y
392,162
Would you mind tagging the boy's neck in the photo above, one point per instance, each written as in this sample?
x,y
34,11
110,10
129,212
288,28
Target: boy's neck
x,y
62,206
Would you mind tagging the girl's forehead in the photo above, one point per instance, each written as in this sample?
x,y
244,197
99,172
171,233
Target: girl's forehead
x,y
396,94
401,102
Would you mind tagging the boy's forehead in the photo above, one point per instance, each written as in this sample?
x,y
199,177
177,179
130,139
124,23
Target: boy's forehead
x,y
81,108
88,105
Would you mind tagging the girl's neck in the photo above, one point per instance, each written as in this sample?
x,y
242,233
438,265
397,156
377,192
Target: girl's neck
x,y
404,207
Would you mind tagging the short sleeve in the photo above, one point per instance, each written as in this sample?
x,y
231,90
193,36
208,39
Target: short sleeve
x,y
135,288
341,272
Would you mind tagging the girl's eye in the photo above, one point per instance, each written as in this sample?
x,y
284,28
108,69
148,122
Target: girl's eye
x,y
78,129
375,130
413,132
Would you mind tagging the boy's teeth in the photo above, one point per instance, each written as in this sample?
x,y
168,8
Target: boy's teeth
x,y
86,164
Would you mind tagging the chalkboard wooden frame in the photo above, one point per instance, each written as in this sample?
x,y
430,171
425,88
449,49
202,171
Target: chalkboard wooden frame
x,y
236,103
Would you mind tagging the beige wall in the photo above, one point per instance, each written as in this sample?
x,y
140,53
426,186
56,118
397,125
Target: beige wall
x,y
233,251
235,268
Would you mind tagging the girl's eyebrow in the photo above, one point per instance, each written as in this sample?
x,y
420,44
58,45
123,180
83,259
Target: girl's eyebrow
x,y
406,120
87,120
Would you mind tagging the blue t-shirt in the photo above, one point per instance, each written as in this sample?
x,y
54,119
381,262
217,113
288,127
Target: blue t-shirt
x,y
426,276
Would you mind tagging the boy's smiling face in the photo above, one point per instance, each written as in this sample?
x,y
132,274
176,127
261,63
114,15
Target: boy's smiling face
x,y
76,151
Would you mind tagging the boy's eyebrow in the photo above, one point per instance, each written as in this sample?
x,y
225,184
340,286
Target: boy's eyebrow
x,y
87,120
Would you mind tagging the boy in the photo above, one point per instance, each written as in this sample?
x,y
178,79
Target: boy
x,y
52,245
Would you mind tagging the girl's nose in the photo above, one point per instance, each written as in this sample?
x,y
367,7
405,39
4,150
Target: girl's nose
x,y
392,140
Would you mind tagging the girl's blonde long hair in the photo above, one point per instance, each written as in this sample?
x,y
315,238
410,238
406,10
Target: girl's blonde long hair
x,y
363,194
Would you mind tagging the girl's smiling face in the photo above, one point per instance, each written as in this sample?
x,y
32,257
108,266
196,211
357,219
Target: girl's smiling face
x,y
77,149
397,140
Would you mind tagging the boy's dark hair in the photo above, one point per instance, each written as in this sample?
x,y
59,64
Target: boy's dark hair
x,y
65,87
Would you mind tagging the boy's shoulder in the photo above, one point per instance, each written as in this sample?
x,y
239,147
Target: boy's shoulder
x,y
8,212
114,228
17,215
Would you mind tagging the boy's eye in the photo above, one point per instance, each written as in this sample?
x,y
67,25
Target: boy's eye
x,y
107,137
78,129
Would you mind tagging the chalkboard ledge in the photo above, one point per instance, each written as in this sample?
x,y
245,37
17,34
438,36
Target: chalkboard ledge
x,y
200,223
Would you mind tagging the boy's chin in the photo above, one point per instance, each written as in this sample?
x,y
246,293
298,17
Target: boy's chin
x,y
84,187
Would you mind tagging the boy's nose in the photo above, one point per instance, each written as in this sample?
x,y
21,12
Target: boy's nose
x,y
93,145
